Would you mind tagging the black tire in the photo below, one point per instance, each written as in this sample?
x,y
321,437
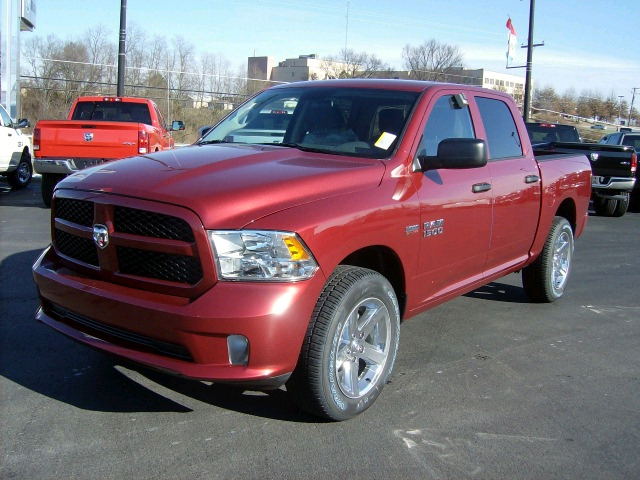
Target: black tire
x,y
356,322
48,183
607,207
621,207
21,176
545,279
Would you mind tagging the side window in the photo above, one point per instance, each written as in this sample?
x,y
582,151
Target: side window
x,y
502,134
5,119
160,117
446,120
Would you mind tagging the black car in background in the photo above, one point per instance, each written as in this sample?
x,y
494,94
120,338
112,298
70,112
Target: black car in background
x,y
543,132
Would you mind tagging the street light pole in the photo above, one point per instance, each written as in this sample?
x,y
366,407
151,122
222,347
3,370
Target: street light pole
x,y
122,57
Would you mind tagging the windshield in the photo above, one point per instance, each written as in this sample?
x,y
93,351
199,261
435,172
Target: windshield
x,y
346,121
112,111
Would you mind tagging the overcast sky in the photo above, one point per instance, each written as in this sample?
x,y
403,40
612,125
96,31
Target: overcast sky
x,y
589,45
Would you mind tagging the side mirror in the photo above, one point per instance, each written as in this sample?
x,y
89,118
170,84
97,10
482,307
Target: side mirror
x,y
177,125
457,153
22,123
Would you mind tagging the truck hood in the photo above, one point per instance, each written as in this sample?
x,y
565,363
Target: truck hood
x,y
230,186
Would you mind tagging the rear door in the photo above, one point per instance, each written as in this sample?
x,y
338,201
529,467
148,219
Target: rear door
x,y
515,185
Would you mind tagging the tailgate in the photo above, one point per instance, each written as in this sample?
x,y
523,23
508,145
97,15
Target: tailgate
x,y
80,139
606,160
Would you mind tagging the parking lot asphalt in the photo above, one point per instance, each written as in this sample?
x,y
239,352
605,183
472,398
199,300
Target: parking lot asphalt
x,y
486,386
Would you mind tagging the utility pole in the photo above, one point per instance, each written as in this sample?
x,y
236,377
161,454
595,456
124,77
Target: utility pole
x,y
633,97
122,56
620,97
527,82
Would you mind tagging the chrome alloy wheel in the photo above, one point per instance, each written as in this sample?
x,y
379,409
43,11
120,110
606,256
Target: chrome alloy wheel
x,y
24,173
363,349
562,251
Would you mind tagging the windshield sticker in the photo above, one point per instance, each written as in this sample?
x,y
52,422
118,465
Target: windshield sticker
x,y
385,140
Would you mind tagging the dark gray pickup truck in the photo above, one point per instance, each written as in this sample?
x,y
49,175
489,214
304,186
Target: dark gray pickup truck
x,y
614,170
630,139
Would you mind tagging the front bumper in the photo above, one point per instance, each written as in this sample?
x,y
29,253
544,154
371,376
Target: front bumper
x,y
181,336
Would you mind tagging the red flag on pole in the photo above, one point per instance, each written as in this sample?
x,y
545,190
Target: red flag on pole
x,y
511,42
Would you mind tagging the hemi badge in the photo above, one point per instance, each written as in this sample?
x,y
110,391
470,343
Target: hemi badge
x,y
411,229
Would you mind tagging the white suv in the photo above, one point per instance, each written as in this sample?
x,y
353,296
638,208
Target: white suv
x,y
15,151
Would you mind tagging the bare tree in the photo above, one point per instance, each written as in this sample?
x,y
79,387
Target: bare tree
x,y
183,63
100,54
567,102
351,64
136,56
432,60
545,98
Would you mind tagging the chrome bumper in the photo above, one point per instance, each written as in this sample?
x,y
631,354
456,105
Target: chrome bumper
x,y
64,166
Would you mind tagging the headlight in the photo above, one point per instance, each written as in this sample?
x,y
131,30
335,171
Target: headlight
x,y
261,255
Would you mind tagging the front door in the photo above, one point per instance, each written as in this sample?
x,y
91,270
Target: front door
x,y
455,207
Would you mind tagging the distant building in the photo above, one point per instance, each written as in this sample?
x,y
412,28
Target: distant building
x,y
259,68
208,101
305,67
511,84
310,67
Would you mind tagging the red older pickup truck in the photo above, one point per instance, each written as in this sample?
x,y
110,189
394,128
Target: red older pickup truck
x,y
287,244
98,129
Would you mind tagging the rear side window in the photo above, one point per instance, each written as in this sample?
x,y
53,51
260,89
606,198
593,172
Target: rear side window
x,y
612,139
502,134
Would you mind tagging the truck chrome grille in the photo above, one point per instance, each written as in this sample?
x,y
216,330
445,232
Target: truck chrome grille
x,y
145,248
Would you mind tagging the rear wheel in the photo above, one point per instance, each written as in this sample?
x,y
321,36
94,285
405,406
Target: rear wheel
x,y
545,279
608,207
350,347
621,207
21,177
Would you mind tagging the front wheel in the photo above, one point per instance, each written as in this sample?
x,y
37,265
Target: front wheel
x,y
545,279
21,176
350,346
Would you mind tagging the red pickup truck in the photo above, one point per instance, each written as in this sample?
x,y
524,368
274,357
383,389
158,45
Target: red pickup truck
x,y
98,129
289,242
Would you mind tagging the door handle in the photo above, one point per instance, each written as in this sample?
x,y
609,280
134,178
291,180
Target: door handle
x,y
481,187
531,179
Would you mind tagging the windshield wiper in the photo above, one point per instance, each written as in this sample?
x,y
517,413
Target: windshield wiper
x,y
212,142
299,147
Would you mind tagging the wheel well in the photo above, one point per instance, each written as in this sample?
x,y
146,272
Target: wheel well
x,y
567,209
384,261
